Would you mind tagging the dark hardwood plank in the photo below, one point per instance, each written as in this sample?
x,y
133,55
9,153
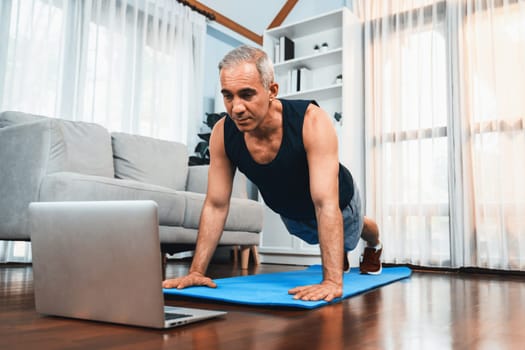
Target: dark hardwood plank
x,y
431,310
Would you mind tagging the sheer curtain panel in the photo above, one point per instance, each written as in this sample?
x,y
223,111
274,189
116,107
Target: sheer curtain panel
x,y
134,66
445,139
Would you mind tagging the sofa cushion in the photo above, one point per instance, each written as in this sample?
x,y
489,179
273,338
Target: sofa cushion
x,y
73,145
80,147
244,214
79,187
149,160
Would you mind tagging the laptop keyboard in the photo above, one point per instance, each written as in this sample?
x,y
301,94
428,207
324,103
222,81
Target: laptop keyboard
x,y
173,316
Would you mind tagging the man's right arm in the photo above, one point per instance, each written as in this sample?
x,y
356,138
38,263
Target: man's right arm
x,y
213,215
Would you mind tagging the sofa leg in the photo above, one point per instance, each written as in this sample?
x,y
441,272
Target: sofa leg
x,y
255,254
245,256
245,251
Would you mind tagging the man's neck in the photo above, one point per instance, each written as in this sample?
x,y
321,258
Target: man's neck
x,y
271,124
264,142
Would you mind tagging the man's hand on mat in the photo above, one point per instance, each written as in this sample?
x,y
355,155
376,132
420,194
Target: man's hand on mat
x,y
192,279
326,290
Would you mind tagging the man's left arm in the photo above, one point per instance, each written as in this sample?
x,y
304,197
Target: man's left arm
x,y
320,141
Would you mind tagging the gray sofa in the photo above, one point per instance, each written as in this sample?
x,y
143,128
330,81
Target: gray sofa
x,y
48,159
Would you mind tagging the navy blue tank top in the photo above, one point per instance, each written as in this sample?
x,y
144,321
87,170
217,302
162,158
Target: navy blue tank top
x,y
284,182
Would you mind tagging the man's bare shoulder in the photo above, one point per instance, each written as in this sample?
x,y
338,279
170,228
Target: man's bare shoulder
x,y
217,139
220,123
316,120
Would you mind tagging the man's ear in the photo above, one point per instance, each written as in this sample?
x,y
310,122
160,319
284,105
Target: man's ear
x,y
273,90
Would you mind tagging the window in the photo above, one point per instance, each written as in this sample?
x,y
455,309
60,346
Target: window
x,y
410,139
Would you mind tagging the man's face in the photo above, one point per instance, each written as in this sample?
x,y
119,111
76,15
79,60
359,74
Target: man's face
x,y
245,98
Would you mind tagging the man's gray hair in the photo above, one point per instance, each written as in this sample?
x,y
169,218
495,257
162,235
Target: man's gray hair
x,y
250,54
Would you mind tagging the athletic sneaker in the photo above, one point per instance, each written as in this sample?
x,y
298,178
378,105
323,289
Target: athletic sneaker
x,y
371,261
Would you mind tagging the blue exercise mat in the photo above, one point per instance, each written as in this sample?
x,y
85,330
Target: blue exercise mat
x,y
272,289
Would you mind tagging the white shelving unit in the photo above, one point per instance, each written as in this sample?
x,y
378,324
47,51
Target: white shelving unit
x,y
341,31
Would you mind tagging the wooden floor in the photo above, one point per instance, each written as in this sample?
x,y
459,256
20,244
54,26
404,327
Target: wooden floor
x,y
428,311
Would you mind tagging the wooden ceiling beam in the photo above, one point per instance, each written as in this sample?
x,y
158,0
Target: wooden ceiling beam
x,y
228,23
281,16
239,29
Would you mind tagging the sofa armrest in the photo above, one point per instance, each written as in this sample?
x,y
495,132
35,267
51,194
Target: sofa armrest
x,y
31,150
198,182
24,153
10,118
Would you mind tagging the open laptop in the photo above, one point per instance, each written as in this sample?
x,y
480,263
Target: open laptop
x,y
101,261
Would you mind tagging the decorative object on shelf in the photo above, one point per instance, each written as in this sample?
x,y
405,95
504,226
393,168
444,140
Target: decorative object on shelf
x,y
202,150
338,116
324,47
339,79
316,48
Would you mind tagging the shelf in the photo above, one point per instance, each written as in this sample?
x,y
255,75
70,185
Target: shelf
x,y
314,25
316,94
331,57
342,32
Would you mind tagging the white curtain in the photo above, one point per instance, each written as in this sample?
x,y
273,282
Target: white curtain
x,y
445,130
134,66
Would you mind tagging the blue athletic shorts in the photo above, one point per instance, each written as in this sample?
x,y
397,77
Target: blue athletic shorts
x,y
352,222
